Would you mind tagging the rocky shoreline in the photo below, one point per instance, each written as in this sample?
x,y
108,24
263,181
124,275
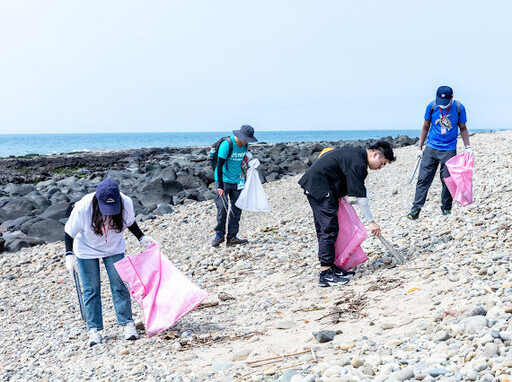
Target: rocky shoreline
x,y
445,314
38,192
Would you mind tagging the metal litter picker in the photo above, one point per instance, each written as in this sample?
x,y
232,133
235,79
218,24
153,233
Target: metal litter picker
x,y
398,257
80,296
415,169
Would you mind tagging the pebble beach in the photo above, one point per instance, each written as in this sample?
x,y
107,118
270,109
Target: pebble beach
x,y
445,314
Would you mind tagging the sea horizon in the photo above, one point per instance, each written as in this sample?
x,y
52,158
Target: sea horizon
x,y
62,143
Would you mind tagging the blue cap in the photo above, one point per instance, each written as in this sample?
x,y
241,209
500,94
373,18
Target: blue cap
x,y
109,197
444,95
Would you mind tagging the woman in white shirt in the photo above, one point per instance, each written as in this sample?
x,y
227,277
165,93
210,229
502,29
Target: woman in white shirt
x,y
94,231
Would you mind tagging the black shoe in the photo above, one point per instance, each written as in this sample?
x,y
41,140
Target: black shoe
x,y
413,214
218,239
328,278
446,212
235,241
341,272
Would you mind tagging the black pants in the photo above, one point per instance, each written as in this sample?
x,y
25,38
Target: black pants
x,y
231,194
431,159
325,215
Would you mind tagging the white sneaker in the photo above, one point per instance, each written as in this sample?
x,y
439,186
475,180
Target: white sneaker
x,y
95,337
130,331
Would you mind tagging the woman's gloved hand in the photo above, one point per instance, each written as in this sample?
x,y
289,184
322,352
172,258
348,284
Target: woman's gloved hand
x,y
71,263
146,241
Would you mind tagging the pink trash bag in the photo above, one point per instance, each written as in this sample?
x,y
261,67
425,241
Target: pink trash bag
x,y
460,181
164,293
350,236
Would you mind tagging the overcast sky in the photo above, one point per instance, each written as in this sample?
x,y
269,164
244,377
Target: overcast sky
x,y
212,65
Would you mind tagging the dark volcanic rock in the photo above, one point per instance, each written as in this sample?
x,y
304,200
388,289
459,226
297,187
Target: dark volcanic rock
x,y
57,211
48,229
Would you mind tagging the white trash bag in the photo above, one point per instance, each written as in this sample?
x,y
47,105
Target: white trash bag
x,y
253,197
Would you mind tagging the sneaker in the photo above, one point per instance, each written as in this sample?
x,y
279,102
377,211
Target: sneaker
x,y
341,272
413,214
218,239
130,331
328,278
446,212
95,337
235,241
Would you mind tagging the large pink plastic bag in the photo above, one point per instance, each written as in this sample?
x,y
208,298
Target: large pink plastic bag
x,y
460,181
164,293
351,234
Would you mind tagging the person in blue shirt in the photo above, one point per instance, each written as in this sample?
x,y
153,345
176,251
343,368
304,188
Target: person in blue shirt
x,y
229,184
444,118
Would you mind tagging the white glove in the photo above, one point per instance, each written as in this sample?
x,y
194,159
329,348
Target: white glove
x,y
146,241
468,150
419,153
71,264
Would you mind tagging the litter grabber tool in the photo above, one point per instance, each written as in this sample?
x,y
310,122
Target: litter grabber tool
x,y
415,169
225,203
398,257
79,294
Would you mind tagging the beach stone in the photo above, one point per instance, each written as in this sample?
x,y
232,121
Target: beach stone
x,y
287,375
221,366
441,336
333,371
478,311
347,345
437,372
286,325
323,336
373,360
490,349
472,375
506,335
473,324
404,374
241,355
357,362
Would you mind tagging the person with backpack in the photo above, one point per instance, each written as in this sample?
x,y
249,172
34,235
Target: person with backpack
x,y
227,156
338,173
94,231
444,117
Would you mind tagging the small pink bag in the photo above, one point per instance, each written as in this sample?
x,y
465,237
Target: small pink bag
x,y
460,181
351,235
164,293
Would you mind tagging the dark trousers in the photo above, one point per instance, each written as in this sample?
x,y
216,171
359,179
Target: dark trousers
x,y
230,196
431,159
325,215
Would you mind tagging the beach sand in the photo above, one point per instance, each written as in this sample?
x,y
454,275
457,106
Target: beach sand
x,y
395,322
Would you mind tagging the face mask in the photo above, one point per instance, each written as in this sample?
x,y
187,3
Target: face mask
x,y
447,106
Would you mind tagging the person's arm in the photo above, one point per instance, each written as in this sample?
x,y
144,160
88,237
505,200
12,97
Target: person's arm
x,y
134,228
68,241
143,239
220,186
423,134
365,207
464,135
367,213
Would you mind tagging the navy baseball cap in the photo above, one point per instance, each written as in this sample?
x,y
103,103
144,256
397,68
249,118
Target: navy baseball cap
x,y
109,197
246,134
444,95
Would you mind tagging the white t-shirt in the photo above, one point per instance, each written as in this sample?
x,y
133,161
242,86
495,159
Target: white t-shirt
x,y
88,245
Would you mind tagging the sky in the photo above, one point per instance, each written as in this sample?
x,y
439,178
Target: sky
x,y
163,66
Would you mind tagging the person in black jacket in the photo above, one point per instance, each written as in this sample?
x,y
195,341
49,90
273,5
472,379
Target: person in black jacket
x,y
338,173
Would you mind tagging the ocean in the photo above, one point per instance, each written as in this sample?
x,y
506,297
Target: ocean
x,y
45,144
